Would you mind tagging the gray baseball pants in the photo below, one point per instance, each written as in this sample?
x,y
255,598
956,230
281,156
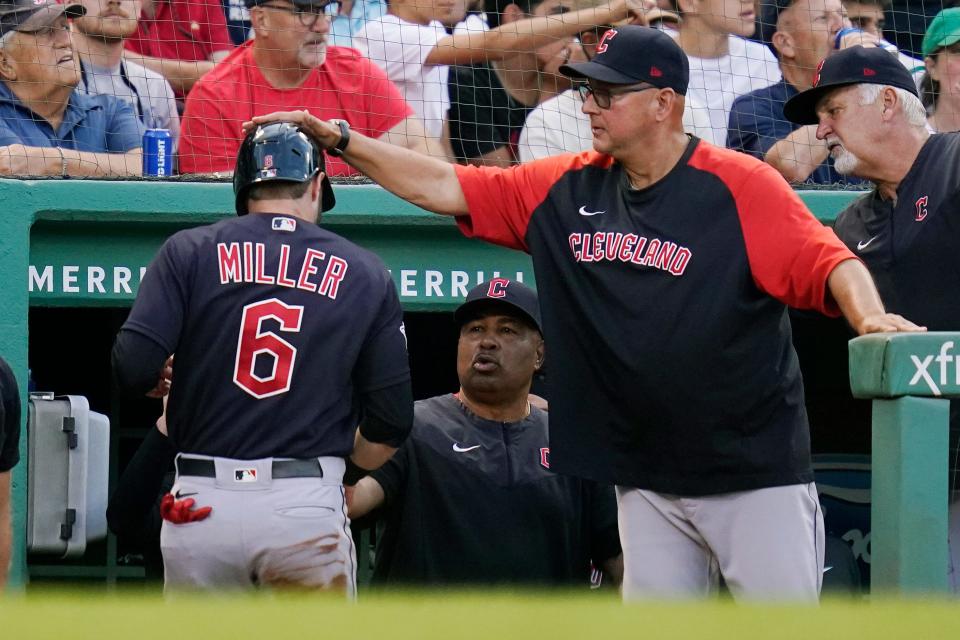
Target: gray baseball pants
x,y
767,543
262,532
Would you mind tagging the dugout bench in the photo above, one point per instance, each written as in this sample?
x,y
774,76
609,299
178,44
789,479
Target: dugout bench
x,y
75,247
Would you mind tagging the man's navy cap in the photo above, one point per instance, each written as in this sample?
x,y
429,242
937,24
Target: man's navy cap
x,y
500,291
33,15
855,65
631,54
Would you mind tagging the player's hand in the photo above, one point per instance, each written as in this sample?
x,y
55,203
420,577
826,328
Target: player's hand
x,y
163,383
325,132
182,511
887,323
348,495
162,420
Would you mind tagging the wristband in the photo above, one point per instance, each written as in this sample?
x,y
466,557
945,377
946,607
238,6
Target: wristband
x,y
341,146
353,473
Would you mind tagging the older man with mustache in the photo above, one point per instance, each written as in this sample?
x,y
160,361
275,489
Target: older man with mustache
x,y
866,108
289,65
46,126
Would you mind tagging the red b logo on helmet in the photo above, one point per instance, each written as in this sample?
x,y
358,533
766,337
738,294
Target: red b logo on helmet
x,y
609,35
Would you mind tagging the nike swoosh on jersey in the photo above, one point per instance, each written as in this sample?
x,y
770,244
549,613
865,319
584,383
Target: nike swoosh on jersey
x,y
459,449
584,212
179,494
864,244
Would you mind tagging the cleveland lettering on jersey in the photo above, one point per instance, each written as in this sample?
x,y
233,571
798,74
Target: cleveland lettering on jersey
x,y
246,262
609,246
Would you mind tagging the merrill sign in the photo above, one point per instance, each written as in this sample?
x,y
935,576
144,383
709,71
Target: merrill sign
x,y
122,281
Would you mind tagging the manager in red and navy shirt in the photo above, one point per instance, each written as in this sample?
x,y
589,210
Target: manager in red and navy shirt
x,y
665,267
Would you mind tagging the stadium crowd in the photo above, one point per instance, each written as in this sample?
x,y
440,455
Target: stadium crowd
x,y
496,83
471,82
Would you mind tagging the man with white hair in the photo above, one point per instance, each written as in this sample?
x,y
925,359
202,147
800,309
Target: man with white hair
x,y
867,110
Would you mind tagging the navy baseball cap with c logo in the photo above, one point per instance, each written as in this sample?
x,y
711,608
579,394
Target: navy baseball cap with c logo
x,y
856,65
520,300
632,54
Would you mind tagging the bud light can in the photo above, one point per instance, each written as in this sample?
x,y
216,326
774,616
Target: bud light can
x,y
157,153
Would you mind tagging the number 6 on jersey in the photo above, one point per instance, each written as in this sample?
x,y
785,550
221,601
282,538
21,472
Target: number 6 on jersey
x,y
253,342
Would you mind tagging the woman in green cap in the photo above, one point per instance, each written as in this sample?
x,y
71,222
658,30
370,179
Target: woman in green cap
x,y
940,87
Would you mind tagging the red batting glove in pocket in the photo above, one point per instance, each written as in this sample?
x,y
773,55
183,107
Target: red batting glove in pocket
x,y
182,511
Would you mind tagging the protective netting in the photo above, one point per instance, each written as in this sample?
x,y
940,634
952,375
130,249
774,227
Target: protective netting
x,y
473,81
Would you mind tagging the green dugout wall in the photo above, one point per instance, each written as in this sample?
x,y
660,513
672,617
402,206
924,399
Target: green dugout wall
x,y
76,243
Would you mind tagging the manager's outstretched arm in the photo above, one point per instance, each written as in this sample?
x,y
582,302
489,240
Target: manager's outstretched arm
x,y
417,178
852,287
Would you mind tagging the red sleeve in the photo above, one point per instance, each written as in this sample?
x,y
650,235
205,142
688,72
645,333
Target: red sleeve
x,y
385,107
209,136
501,201
791,253
138,42
213,33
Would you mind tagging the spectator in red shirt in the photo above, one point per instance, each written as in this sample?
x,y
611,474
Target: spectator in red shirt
x,y
180,39
289,65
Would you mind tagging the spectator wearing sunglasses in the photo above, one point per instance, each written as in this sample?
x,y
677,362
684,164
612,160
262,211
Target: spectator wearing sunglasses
x,y
290,65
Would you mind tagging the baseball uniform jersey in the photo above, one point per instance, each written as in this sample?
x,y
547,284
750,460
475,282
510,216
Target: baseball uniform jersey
x,y
671,356
280,328
911,246
273,322
474,501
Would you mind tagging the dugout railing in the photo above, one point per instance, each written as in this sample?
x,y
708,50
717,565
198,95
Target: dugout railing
x,y
84,243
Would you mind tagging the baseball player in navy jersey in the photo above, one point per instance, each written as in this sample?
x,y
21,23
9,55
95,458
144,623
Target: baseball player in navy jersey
x,y
866,108
470,497
664,268
286,338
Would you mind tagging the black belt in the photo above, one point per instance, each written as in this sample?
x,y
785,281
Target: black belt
x,y
281,468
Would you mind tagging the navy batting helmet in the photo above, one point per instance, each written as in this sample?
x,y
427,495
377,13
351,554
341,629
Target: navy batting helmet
x,y
278,152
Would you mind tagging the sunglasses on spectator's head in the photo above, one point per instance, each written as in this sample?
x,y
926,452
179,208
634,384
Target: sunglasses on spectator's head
x,y
309,15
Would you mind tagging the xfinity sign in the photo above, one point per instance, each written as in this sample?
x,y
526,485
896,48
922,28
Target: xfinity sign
x,y
936,371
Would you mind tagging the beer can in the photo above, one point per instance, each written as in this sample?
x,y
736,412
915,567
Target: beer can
x,y
157,153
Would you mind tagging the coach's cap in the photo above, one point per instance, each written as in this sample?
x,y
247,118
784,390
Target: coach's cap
x,y
500,291
943,31
856,65
33,15
631,54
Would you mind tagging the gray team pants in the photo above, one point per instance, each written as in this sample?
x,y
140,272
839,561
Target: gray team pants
x,y
767,543
285,532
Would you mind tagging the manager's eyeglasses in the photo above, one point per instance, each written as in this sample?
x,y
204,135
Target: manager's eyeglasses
x,y
603,95
309,15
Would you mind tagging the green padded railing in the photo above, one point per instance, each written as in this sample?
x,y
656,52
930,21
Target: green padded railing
x,y
910,377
